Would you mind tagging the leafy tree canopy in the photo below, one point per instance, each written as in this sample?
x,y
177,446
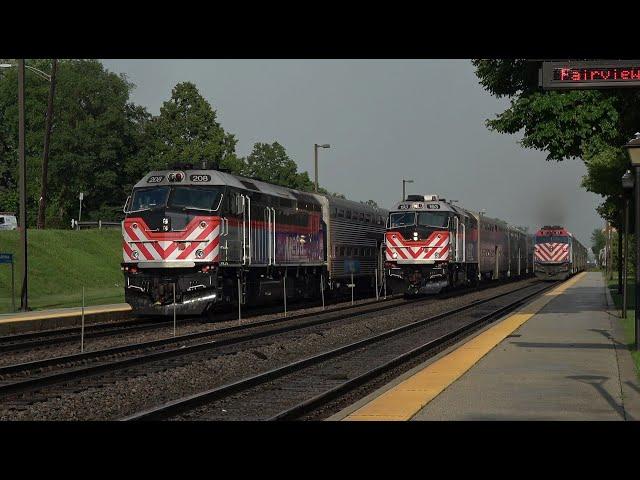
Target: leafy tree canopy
x,y
95,131
587,124
187,132
102,143
270,163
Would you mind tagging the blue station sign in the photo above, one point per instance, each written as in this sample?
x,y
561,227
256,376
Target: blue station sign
x,y
6,258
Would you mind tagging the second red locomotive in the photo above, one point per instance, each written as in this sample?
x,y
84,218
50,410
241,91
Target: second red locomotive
x,y
432,244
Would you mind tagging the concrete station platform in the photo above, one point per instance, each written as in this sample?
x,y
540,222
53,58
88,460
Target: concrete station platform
x,y
59,317
562,356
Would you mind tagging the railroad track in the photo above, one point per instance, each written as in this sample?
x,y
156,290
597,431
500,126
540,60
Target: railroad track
x,y
295,389
36,374
59,336
33,382
40,373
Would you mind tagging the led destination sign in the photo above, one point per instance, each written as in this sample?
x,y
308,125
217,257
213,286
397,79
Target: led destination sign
x,y
590,74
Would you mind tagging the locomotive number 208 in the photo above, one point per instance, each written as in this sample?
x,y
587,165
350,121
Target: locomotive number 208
x,y
200,178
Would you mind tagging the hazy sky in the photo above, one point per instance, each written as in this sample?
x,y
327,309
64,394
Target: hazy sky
x,y
384,119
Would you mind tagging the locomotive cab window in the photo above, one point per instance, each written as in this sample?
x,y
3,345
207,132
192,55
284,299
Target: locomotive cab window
x,y
148,198
433,219
402,219
552,239
195,198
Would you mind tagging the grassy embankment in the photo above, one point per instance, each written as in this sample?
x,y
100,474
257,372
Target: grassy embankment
x,y
627,323
61,262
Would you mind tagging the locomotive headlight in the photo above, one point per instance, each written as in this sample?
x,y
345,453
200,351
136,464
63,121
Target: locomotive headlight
x,y
199,253
134,254
415,236
203,224
395,255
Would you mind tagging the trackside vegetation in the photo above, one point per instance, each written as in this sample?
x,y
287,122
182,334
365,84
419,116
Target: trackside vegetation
x,y
627,323
60,263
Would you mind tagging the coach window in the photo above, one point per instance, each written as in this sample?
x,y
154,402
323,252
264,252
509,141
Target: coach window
x,y
347,214
340,213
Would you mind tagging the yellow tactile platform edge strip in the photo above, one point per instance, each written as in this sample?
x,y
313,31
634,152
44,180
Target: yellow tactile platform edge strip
x,y
64,314
407,398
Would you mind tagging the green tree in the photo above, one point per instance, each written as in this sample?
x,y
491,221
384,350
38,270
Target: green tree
x,y
185,133
587,124
270,163
371,203
598,241
96,130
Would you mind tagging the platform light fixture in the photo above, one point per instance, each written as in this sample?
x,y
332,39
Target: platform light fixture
x,y
633,148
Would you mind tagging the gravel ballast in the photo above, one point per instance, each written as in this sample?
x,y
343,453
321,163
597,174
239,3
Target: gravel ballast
x,y
115,395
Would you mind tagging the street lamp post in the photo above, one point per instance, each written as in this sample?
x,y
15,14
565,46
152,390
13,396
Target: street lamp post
x,y
633,148
627,186
315,151
404,181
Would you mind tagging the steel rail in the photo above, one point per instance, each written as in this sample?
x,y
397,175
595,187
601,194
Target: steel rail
x,y
174,407
30,340
87,370
323,398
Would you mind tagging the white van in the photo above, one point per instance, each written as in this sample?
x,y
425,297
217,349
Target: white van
x,y
8,221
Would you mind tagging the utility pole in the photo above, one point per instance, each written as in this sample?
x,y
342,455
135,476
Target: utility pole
x,y
45,155
24,297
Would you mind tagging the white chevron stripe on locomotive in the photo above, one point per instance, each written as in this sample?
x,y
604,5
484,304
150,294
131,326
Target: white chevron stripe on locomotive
x,y
424,251
150,249
551,252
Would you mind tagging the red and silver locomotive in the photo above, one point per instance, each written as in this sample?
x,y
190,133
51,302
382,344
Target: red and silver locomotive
x,y
431,244
558,254
221,238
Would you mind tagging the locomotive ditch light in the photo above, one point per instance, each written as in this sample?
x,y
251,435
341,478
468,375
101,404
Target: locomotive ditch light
x,y
633,148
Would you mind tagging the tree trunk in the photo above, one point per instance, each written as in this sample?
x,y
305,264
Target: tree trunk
x,y
45,155
620,261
